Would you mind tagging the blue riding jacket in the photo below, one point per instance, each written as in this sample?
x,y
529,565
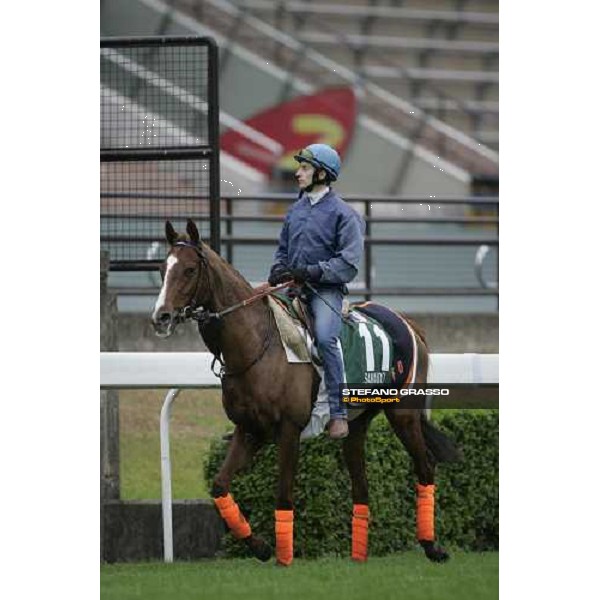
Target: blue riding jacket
x,y
329,234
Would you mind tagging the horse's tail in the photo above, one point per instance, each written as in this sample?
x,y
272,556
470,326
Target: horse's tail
x,y
439,444
443,448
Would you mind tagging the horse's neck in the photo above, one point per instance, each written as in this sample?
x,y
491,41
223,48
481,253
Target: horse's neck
x,y
242,331
226,285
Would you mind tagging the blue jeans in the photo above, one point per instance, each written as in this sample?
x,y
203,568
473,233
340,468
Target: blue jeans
x,y
328,327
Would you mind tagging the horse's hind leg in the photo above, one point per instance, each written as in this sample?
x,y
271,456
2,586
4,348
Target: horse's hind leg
x,y
289,450
354,455
240,452
406,423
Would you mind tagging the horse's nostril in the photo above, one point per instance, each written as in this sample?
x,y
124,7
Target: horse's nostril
x,y
164,317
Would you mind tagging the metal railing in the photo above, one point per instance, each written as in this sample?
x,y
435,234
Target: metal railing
x,y
363,204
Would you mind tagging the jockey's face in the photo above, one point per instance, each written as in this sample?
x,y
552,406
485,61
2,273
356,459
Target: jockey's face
x,y
304,174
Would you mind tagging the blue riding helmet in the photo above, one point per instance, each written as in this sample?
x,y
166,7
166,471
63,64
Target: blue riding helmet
x,y
321,156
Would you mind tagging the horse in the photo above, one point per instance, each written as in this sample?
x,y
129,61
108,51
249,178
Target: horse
x,y
270,400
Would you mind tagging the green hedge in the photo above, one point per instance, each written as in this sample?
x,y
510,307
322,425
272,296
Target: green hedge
x,y
466,498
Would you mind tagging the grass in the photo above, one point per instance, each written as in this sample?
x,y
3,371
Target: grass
x,y
197,416
408,576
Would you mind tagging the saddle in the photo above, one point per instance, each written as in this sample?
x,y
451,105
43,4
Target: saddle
x,y
296,328
378,345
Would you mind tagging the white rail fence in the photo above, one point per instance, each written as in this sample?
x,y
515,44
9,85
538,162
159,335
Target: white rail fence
x,y
176,370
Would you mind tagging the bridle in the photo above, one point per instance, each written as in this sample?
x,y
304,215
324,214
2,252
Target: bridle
x,y
205,317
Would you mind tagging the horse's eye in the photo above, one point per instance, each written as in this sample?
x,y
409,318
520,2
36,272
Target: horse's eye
x,y
189,271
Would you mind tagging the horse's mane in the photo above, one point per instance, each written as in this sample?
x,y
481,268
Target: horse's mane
x,y
217,261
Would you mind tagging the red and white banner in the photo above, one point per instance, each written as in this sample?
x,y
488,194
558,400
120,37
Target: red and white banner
x,y
327,117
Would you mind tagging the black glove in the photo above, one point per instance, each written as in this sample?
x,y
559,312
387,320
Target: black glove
x,y
279,274
311,274
300,275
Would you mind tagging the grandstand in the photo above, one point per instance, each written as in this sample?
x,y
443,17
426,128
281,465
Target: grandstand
x,y
425,74
441,55
426,69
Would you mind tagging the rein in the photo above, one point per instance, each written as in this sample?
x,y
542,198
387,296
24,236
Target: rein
x,y
205,317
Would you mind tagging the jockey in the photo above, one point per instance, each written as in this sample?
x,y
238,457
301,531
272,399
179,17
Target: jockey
x,y
322,243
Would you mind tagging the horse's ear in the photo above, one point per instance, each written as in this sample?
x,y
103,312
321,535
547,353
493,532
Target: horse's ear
x,y
192,231
170,233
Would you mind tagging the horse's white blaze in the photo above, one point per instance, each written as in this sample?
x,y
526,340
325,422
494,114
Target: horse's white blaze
x,y
160,302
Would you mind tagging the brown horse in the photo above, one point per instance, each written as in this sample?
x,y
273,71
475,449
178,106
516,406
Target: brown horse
x,y
269,399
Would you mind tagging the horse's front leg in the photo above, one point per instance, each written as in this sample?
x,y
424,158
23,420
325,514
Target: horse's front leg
x,y
354,455
289,448
240,452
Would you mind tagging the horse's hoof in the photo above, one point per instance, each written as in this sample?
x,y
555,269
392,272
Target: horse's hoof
x,y
259,548
283,564
435,553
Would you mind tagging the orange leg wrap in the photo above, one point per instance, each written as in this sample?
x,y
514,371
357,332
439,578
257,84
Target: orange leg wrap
x,y
232,515
360,532
425,512
284,536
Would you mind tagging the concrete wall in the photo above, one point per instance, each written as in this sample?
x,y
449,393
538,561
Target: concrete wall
x,y
133,530
109,402
458,333
450,333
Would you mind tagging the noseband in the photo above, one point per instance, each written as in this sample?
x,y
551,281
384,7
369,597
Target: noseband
x,y
204,317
